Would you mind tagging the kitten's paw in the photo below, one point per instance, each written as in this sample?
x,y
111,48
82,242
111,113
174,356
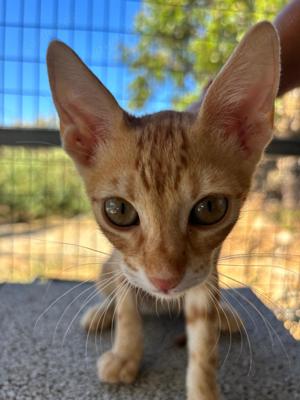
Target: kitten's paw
x,y
230,321
113,368
97,318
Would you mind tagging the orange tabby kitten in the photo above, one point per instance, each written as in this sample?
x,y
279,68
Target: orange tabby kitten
x,y
166,189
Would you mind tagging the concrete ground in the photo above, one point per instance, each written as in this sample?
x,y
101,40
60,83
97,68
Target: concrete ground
x,y
50,358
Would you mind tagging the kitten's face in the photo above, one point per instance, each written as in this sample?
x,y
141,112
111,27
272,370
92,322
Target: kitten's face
x,y
184,196
166,189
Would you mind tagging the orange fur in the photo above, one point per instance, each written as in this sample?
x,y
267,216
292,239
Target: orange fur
x,y
163,164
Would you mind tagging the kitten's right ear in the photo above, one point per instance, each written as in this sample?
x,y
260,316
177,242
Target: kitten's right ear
x,y
238,106
88,112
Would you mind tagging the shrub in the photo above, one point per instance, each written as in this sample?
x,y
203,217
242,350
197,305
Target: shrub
x,y
37,183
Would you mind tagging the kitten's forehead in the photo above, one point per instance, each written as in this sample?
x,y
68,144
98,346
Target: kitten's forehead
x,y
163,158
162,149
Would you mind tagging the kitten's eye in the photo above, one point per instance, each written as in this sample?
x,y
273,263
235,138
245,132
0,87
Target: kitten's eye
x,y
120,212
209,210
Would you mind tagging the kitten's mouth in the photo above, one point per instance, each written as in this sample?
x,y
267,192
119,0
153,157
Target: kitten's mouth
x,y
159,290
171,294
175,293
179,290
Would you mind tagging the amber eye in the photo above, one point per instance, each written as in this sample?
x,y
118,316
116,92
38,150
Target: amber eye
x,y
120,212
209,210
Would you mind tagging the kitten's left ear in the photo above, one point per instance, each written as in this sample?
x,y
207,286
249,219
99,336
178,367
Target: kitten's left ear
x,y
89,114
239,103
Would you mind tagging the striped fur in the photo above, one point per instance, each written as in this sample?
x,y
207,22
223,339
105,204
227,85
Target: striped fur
x,y
163,164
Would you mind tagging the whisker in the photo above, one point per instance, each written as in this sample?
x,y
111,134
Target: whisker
x,y
67,308
76,265
178,307
156,309
106,282
261,255
241,305
243,326
264,295
72,244
107,299
250,303
113,297
238,322
137,299
168,305
215,303
57,300
121,294
261,266
267,324
218,305
87,300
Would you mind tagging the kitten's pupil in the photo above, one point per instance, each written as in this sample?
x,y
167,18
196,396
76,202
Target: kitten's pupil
x,y
209,210
209,206
122,208
120,212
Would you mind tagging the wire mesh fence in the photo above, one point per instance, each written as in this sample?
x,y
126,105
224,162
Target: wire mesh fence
x,y
96,30
46,228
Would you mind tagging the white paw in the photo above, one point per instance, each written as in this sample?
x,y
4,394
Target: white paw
x,y
113,368
97,318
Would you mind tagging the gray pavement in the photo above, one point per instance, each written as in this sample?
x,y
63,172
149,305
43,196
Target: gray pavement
x,y
54,360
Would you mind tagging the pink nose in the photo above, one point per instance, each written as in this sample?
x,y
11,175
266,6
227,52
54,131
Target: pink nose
x,y
164,284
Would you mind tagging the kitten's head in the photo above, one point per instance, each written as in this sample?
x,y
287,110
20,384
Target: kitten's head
x,y
167,188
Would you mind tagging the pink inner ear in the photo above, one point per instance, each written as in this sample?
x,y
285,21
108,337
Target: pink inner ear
x,y
82,132
249,119
239,127
82,148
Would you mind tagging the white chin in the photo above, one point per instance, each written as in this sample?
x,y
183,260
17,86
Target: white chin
x,y
172,295
167,296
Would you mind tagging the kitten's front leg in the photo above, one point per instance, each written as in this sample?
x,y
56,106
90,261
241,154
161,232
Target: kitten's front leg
x,y
202,331
121,364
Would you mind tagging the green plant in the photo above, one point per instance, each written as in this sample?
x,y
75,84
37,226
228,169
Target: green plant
x,y
287,218
185,42
37,183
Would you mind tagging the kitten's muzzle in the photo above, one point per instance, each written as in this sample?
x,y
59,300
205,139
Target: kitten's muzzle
x,y
165,285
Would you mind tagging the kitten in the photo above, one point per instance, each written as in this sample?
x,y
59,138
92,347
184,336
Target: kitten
x,y
166,189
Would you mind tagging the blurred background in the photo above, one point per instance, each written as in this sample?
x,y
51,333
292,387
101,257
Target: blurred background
x,y
151,55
